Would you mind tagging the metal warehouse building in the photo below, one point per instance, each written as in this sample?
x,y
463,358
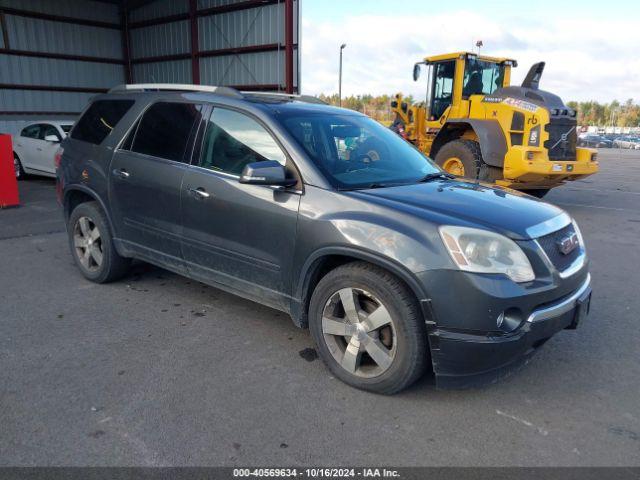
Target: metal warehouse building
x,y
56,54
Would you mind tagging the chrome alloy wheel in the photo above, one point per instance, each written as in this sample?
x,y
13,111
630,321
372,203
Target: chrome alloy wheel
x,y
16,166
359,332
88,244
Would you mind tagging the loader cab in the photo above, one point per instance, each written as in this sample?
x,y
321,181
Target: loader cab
x,y
453,78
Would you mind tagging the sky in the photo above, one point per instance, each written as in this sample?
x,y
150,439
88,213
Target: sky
x,y
591,48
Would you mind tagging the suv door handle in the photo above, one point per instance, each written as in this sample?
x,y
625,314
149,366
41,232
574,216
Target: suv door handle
x,y
199,192
122,173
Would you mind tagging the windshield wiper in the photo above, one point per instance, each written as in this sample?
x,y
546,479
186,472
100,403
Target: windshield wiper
x,y
373,185
433,176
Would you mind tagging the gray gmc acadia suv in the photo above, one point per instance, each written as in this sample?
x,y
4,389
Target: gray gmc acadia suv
x,y
322,213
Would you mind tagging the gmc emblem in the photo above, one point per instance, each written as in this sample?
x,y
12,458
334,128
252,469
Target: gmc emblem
x,y
567,244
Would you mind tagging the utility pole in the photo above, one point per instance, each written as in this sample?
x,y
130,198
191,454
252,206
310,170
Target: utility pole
x,y
340,75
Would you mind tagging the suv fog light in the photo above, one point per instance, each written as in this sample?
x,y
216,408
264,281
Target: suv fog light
x,y
509,320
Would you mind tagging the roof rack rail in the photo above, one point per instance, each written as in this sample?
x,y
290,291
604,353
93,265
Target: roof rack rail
x,y
302,98
226,91
168,87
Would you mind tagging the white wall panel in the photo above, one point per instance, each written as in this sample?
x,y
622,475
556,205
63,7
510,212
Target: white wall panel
x,y
86,10
42,101
256,26
178,71
158,9
246,69
38,35
65,73
165,39
202,4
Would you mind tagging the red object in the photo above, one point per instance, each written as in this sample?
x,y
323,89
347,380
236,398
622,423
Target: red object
x,y
8,181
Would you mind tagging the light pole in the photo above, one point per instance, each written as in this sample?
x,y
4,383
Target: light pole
x,y
340,75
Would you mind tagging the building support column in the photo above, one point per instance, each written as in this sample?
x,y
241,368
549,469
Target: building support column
x,y
195,58
126,45
288,41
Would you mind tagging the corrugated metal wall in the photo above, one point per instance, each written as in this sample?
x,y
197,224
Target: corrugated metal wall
x,y
83,9
36,74
51,66
242,29
175,71
159,9
266,68
54,37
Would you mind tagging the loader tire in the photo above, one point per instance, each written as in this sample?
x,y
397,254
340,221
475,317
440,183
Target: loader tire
x,y
464,159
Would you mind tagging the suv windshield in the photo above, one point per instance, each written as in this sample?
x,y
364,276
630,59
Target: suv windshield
x,y
354,151
482,77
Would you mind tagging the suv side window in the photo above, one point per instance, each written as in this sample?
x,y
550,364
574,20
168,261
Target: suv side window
x,y
233,140
100,119
32,131
164,130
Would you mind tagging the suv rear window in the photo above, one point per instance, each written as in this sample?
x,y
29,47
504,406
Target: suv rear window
x,y
164,130
99,119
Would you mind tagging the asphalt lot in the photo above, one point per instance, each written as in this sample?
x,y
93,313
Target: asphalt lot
x,y
161,370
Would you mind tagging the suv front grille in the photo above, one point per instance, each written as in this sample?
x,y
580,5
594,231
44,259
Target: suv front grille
x,y
549,244
562,139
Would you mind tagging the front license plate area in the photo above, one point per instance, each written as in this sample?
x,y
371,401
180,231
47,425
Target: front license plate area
x,y
583,305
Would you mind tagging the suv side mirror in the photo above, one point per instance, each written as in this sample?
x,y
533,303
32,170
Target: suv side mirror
x,y
52,138
268,172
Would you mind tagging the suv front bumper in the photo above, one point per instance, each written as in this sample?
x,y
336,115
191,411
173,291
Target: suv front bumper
x,y
462,360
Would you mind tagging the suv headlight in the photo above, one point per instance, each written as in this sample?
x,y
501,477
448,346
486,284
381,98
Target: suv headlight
x,y
579,234
482,251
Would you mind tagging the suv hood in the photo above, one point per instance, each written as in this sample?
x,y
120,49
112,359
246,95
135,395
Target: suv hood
x,y
499,209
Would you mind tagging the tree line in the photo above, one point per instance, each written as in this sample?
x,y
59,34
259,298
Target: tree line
x,y
617,114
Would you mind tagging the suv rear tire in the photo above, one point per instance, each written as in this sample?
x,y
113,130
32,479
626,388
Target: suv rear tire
x,y
92,246
384,345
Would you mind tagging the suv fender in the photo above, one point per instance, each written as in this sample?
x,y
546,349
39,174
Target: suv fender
x,y
69,190
302,293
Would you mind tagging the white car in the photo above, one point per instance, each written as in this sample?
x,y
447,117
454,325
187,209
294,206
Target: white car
x,y
627,142
35,146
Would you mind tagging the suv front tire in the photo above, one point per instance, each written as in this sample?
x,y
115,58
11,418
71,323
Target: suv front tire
x,y
368,328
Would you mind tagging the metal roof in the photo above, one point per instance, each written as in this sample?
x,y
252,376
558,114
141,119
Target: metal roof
x,y
455,55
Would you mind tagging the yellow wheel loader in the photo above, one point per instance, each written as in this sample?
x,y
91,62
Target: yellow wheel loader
x,y
475,125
